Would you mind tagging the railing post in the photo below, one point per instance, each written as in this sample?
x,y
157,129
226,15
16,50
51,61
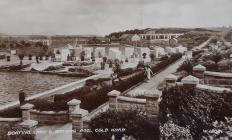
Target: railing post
x,y
77,123
113,101
170,80
26,111
152,106
199,72
74,104
190,82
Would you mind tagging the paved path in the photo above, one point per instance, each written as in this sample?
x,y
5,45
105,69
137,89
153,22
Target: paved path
x,y
154,82
55,132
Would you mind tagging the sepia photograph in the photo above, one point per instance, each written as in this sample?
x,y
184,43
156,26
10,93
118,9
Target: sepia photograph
x,y
115,70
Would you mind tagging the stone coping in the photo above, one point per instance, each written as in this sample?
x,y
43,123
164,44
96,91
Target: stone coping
x,y
212,88
171,77
114,93
133,100
27,106
28,123
49,112
74,102
190,80
218,74
102,108
79,113
199,67
10,119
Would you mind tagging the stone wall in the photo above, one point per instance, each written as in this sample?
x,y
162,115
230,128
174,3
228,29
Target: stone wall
x,y
49,117
81,118
217,82
127,103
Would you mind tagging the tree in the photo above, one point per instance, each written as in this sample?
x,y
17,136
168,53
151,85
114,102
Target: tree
x,y
187,66
216,57
21,56
144,55
152,56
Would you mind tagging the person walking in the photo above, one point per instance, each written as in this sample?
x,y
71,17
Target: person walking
x,y
148,72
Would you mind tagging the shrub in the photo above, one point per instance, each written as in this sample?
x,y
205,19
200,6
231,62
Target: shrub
x,y
13,112
135,125
195,111
186,66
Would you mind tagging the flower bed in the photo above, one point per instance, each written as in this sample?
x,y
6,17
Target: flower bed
x,y
135,125
194,110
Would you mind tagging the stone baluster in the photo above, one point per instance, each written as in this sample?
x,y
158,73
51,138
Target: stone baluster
x,y
113,101
26,111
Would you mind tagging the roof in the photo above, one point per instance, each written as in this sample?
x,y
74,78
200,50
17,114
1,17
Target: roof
x,y
190,80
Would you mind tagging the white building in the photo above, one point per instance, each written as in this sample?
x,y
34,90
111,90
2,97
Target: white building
x,y
135,38
88,51
115,54
129,51
159,52
181,49
99,52
141,50
61,54
170,50
153,34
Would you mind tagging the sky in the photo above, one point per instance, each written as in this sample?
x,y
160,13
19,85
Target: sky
x,y
101,17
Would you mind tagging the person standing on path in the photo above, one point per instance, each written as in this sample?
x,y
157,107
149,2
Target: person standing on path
x,y
148,72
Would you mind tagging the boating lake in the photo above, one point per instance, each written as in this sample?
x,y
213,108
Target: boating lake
x,y
31,83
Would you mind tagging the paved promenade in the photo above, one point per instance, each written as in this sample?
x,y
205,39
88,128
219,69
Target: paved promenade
x,y
154,82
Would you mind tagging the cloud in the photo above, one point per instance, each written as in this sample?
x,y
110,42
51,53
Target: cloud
x,y
104,16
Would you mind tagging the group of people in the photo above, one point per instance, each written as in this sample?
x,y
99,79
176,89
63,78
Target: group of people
x,y
117,70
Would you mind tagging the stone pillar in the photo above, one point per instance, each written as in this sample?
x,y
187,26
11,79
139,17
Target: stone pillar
x,y
199,71
77,123
26,111
74,104
86,122
29,129
170,80
190,82
113,101
152,106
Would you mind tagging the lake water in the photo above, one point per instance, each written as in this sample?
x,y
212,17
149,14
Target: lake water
x,y
31,83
